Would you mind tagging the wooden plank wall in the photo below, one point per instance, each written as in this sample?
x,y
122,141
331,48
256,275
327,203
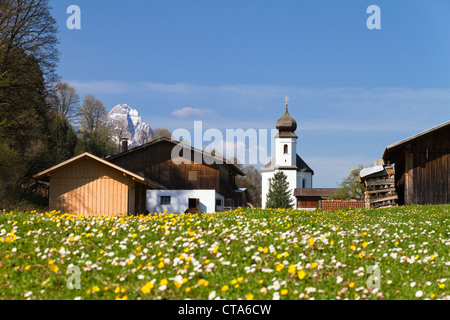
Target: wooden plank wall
x,y
89,187
155,163
431,175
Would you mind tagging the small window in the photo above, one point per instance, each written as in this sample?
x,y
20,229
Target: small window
x,y
218,202
286,149
303,183
165,200
192,176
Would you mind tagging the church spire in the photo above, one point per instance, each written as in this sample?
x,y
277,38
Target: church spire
x,y
286,124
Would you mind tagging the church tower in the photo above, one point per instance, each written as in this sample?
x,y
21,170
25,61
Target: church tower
x,y
299,174
286,141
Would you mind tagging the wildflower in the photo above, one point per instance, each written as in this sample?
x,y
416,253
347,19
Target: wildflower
x,y
146,289
292,269
163,282
284,292
441,286
313,265
301,274
225,288
280,267
249,296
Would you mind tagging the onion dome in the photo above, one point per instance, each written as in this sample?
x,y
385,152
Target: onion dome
x,y
286,123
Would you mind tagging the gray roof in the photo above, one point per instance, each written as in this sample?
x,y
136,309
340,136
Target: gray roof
x,y
301,166
405,141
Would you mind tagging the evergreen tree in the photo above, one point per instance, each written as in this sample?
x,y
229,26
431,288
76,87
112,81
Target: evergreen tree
x,y
279,195
63,140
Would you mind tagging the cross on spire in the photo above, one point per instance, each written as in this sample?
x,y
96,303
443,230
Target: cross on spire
x,y
287,100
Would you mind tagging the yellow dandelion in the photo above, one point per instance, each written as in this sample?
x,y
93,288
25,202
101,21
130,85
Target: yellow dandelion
x,y
163,282
250,296
313,265
284,292
292,269
225,288
301,274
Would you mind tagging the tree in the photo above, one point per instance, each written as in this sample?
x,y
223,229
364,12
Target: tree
x,y
279,195
64,100
161,133
92,114
120,131
96,137
63,140
350,188
27,26
252,182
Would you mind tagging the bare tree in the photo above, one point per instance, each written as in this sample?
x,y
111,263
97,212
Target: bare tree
x,y
161,133
146,137
64,100
120,131
92,114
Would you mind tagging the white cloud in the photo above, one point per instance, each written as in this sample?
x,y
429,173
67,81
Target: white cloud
x,y
102,87
192,112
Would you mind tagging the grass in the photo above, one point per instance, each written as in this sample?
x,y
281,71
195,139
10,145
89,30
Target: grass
x,y
244,254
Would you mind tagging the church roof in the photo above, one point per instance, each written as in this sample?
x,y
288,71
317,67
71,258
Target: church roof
x,y
286,123
301,165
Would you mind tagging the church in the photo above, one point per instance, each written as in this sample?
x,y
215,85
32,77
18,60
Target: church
x,y
299,174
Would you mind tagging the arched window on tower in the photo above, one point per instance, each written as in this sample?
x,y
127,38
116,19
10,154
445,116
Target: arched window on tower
x,y
286,149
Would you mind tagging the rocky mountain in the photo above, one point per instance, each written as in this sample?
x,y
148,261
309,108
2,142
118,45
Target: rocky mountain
x,y
125,122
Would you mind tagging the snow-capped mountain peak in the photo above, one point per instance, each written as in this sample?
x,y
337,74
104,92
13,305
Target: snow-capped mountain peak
x,y
125,122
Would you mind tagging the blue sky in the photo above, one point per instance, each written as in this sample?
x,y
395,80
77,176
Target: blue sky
x,y
352,90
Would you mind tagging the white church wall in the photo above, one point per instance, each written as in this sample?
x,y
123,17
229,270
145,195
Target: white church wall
x,y
283,159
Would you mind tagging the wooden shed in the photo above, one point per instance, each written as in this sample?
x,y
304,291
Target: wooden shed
x,y
310,198
422,165
89,185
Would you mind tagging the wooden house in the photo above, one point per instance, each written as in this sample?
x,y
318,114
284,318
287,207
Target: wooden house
x,y
422,165
89,185
193,178
311,197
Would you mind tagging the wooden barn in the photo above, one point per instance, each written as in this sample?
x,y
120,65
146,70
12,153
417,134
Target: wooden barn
x,y
422,165
193,178
89,185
